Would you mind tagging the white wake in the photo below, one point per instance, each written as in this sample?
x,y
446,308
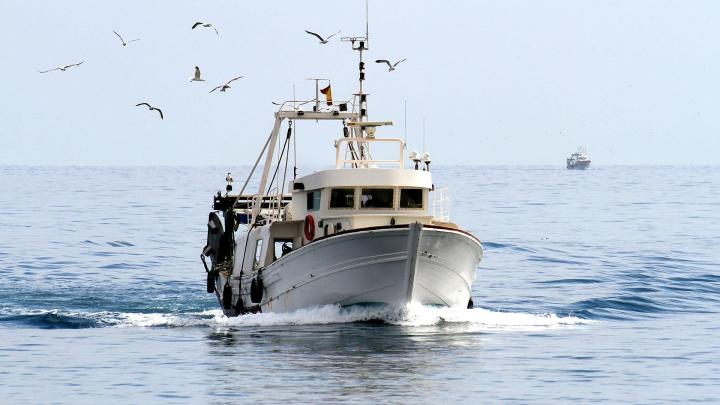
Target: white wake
x,y
411,315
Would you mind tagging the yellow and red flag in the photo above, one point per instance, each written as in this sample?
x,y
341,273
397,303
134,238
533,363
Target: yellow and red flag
x,y
327,91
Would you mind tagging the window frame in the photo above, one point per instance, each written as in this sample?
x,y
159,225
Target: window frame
x,y
307,200
355,198
422,198
393,201
258,258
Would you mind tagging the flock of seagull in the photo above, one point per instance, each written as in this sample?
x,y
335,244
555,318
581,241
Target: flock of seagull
x,y
197,77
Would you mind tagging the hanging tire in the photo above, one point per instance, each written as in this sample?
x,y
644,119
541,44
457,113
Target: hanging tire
x,y
227,296
240,306
210,283
256,290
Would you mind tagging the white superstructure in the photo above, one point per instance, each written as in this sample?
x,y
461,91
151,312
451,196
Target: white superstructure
x,y
359,233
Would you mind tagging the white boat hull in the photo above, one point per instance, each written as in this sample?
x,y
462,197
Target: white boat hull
x,y
386,265
579,165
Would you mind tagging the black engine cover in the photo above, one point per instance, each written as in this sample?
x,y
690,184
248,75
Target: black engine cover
x,y
215,235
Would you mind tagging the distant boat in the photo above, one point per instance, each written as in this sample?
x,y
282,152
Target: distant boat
x,y
579,160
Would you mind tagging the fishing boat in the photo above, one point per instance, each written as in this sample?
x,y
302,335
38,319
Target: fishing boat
x,y
361,232
578,160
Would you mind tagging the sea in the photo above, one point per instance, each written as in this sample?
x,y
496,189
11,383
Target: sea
x,y
596,286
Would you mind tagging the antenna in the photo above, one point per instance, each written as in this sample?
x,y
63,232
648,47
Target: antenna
x,y
363,44
294,128
405,125
424,150
367,24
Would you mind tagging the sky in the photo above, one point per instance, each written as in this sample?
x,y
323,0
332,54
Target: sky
x,y
497,82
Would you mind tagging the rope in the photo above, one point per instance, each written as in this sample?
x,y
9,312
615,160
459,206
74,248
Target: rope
x,y
253,170
287,158
277,167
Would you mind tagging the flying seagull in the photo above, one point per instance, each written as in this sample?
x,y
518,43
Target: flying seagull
x,y
206,25
197,78
151,108
62,68
226,86
123,41
391,66
322,41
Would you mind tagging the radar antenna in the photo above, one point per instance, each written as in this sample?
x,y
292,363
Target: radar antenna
x,y
361,44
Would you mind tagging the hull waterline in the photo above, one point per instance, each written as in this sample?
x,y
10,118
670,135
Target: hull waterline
x,y
392,266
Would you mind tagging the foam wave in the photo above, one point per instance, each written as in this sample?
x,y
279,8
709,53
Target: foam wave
x,y
412,315
205,318
419,315
58,319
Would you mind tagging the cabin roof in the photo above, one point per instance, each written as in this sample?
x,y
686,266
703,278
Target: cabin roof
x,y
366,177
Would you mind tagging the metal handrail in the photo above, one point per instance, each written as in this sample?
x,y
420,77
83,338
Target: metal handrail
x,y
292,105
442,204
275,208
341,161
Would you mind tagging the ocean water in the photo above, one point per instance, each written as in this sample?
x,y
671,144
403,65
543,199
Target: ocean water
x,y
597,286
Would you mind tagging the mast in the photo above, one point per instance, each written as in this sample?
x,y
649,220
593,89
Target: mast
x,y
405,126
423,132
363,44
360,132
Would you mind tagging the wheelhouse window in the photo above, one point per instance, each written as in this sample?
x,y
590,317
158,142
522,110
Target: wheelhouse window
x,y
258,254
377,198
313,200
342,198
411,198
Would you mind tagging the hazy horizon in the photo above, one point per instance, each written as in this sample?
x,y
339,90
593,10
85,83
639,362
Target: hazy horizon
x,y
499,83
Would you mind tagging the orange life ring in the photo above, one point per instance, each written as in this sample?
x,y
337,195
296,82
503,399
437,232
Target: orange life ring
x,y
309,227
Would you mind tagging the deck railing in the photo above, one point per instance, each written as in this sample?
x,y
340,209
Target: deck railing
x,y
271,207
441,204
341,161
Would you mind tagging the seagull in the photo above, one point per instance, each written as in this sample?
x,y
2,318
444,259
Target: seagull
x,y
391,66
123,41
226,86
206,25
197,78
322,41
62,68
151,109
229,180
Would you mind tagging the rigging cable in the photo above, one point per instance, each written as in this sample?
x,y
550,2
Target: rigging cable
x,y
254,223
351,147
294,150
287,158
278,165
262,152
